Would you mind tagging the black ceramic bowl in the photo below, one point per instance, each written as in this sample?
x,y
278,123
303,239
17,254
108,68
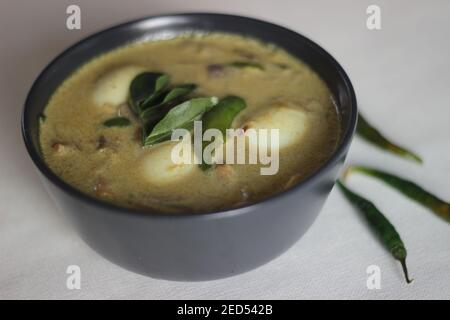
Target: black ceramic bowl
x,y
201,246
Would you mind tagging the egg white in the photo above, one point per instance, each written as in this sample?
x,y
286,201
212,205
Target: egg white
x,y
112,88
158,166
291,123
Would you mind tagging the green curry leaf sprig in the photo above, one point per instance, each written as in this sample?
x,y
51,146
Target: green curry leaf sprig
x,y
151,98
145,88
161,108
181,116
171,96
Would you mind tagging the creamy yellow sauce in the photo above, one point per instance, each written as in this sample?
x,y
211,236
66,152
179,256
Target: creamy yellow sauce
x,y
111,164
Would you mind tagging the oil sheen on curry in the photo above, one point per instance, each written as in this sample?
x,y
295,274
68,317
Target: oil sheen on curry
x,y
107,129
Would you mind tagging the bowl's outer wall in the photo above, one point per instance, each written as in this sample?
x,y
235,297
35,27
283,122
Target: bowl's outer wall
x,y
187,249
206,246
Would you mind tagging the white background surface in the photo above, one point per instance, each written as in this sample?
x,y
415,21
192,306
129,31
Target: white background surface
x,y
401,75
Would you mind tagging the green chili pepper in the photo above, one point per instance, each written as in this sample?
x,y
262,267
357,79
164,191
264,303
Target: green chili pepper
x,y
369,133
409,189
381,225
221,117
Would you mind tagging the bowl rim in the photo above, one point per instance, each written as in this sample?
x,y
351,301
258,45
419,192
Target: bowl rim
x,y
45,170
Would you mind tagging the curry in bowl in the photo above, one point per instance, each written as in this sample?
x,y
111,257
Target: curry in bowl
x,y
107,129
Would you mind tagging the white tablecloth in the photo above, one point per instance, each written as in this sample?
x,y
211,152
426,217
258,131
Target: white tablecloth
x,y
401,74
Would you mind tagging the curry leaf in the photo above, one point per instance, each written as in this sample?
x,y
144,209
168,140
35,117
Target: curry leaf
x,y
151,140
145,88
117,122
180,116
157,111
152,113
161,83
246,64
179,91
166,135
